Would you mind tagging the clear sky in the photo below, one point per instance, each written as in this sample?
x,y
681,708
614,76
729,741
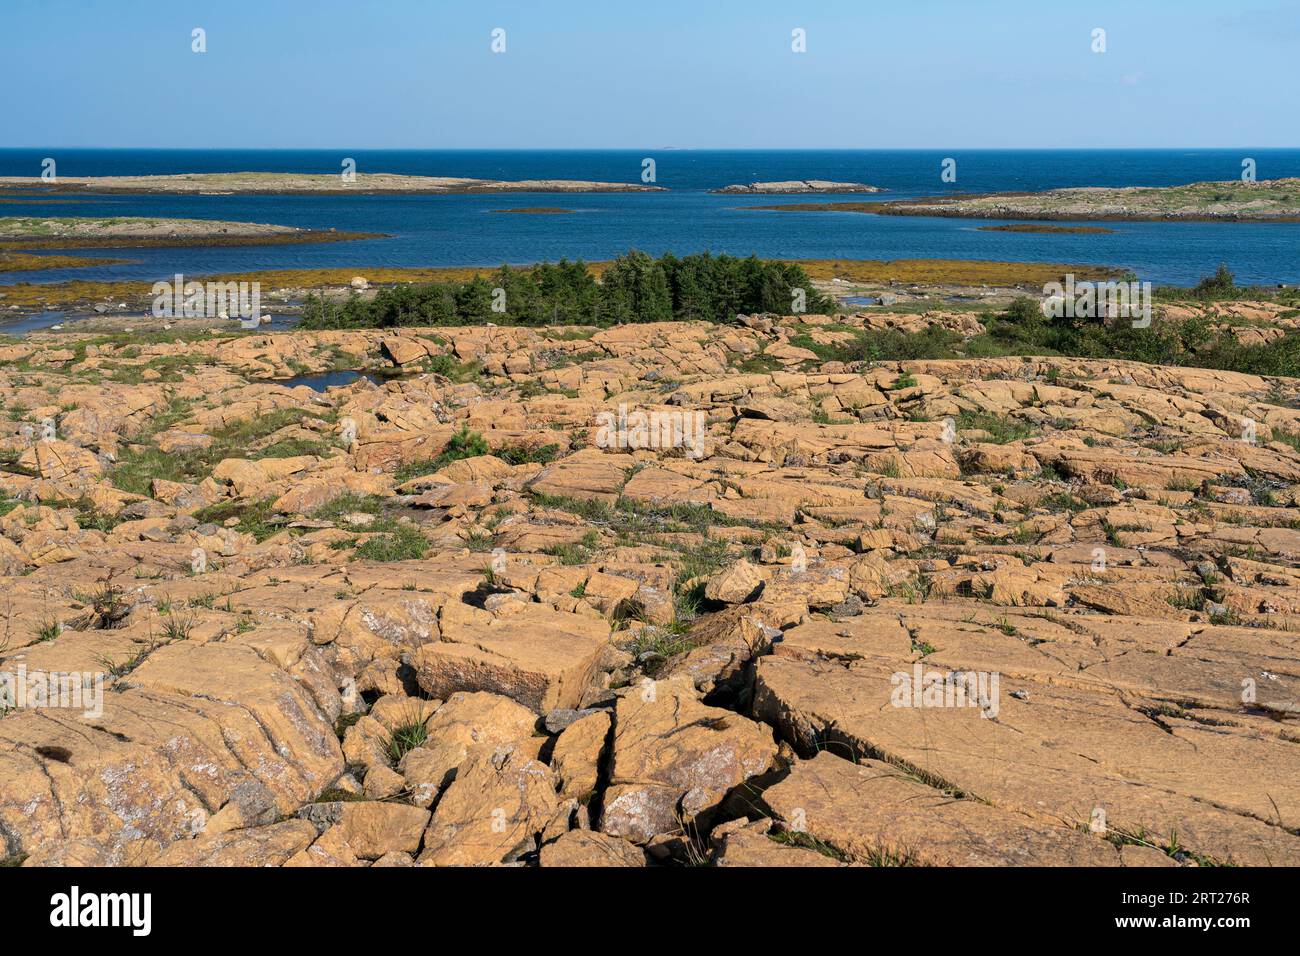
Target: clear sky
x,y
657,73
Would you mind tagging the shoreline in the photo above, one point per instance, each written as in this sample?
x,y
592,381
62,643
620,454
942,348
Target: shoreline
x,y
1195,202
305,237
1050,229
899,208
794,187
98,232
294,184
21,236
842,276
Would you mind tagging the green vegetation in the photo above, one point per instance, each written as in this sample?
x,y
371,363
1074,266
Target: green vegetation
x,y
633,288
403,543
1265,200
914,590
88,516
576,553
1139,836
141,463
806,841
521,455
389,536
1023,329
463,444
480,541
654,645
631,519
448,367
935,342
1187,599
339,795
170,368
349,503
1063,501
177,628
999,430
1290,439
253,517
406,738
1221,285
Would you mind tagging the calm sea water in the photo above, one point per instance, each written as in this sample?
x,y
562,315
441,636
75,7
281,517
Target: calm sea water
x,y
463,230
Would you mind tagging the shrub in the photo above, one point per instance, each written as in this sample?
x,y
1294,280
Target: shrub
x,y
404,543
463,444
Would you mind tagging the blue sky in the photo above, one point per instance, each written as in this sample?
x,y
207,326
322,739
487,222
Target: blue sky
x,y
618,74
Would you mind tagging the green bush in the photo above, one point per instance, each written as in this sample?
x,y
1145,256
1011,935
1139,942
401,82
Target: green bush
x,y
404,543
1222,283
935,342
463,444
1021,329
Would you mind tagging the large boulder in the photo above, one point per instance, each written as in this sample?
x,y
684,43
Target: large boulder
x,y
675,758
541,658
494,811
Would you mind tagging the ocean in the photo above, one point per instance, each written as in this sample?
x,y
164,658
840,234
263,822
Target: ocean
x,y
462,230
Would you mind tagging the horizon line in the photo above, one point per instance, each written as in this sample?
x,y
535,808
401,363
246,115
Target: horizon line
x,y
682,149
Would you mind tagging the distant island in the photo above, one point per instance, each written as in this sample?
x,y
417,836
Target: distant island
x,y
315,183
797,186
1271,200
872,207
1049,228
20,235
538,211
68,232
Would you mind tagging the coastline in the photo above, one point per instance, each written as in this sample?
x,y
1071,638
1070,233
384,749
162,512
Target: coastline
x,y
292,184
141,232
1230,201
961,278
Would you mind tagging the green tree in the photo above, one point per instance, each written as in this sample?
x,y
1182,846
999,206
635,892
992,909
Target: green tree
x,y
635,289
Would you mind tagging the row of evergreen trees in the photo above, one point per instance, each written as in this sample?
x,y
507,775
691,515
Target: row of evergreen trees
x,y
634,288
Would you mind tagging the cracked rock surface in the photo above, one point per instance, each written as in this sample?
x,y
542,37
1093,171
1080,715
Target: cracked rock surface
x,y
994,611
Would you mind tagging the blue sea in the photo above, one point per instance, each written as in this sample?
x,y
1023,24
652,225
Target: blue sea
x,y
462,230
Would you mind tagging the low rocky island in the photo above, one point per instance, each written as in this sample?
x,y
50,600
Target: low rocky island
x,y
1272,200
1049,229
31,232
324,183
795,187
537,211
20,235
